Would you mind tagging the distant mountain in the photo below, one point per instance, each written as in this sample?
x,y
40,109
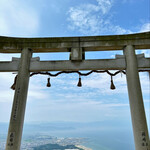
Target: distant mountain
x,y
62,126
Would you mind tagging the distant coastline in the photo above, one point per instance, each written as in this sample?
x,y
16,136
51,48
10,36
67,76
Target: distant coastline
x,y
83,147
62,147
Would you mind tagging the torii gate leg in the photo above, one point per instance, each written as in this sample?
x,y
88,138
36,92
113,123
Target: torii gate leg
x,y
19,103
139,123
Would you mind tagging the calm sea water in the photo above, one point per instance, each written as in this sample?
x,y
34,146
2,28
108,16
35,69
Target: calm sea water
x,y
97,137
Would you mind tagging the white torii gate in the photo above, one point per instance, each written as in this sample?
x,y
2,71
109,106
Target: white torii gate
x,y
77,46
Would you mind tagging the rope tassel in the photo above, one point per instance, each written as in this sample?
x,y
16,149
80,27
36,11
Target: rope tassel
x,y
14,85
48,82
79,82
112,86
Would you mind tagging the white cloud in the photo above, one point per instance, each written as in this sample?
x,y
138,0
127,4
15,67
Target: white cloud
x,y
74,110
128,1
90,19
101,83
105,5
145,27
8,57
72,103
17,19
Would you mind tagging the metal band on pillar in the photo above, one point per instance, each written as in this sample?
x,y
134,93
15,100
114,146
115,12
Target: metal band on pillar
x,y
19,103
139,124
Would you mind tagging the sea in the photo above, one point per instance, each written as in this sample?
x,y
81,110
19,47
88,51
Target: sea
x,y
98,135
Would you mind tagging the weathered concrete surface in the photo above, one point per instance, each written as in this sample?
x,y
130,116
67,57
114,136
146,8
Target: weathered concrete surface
x,y
67,65
139,123
64,44
19,103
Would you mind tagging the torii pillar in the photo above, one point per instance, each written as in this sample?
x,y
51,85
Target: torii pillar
x,y
139,124
19,103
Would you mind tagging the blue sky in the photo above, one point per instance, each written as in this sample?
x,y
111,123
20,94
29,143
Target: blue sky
x,y
64,101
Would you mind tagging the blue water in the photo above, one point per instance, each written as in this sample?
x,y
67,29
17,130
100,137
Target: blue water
x,y
102,139
97,137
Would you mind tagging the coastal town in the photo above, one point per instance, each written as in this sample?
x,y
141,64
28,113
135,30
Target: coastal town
x,y
40,142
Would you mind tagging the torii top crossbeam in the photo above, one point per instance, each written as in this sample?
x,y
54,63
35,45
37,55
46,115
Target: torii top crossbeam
x,y
64,44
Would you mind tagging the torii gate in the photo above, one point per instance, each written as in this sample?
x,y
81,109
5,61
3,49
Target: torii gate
x,y
77,46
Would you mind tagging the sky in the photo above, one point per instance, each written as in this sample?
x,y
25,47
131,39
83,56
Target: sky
x,y
64,101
